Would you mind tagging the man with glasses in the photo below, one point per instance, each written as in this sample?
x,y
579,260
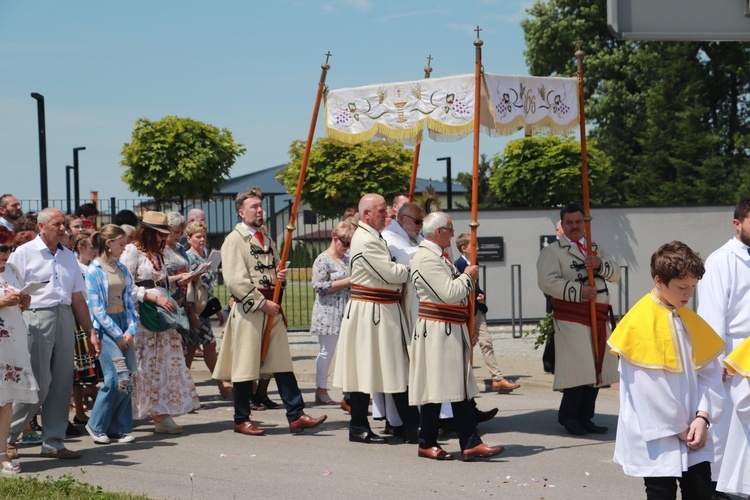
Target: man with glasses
x,y
402,236
440,371
10,210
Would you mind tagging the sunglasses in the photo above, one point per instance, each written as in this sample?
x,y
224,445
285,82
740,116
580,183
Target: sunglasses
x,y
7,248
345,243
418,222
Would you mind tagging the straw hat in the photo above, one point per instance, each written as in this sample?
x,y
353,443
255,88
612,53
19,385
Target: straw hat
x,y
156,221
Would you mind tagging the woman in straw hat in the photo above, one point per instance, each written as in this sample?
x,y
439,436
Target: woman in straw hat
x,y
164,387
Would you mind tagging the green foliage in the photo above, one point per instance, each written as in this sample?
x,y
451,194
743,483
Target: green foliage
x,y
672,116
545,170
66,486
178,158
544,330
487,198
337,176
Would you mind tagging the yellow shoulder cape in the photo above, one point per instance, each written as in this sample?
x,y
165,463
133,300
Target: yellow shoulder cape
x,y
739,359
646,336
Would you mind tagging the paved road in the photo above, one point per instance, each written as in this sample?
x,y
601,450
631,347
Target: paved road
x,y
210,461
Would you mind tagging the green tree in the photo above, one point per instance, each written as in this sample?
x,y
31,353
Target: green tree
x,y
671,115
178,158
337,176
487,198
545,170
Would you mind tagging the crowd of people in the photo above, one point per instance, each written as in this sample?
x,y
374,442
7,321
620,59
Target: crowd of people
x,y
101,320
122,308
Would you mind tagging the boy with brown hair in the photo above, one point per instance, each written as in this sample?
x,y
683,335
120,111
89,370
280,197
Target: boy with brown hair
x,y
670,382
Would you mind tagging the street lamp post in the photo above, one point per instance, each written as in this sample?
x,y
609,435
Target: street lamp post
x,y
75,176
42,148
449,182
68,168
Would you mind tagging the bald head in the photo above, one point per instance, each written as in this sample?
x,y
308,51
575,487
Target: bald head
x,y
372,211
196,214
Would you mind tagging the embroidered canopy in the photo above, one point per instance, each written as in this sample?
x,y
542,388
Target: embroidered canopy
x,y
400,111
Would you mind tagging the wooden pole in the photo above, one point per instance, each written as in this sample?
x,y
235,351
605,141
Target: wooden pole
x,y
293,213
474,223
587,209
418,147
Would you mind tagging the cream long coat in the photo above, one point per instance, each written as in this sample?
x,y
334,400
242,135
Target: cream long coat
x,y
440,368
561,274
371,354
247,266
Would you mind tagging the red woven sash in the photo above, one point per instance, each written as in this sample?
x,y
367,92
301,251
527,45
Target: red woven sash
x,y
580,312
444,313
376,295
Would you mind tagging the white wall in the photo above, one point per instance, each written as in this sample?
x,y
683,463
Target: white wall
x,y
630,235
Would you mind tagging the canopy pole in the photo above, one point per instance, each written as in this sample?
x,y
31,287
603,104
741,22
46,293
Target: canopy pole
x,y
587,209
418,147
293,213
474,223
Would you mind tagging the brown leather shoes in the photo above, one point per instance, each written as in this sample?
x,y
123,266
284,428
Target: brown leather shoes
x,y
435,453
504,385
481,451
62,453
249,428
306,422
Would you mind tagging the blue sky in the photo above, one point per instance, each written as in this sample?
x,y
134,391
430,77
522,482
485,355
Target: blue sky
x,y
249,66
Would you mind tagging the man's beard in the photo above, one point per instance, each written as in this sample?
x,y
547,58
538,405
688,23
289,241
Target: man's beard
x,y
257,224
744,237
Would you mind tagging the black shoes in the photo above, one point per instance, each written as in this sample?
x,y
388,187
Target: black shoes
x,y
574,427
593,428
368,437
483,416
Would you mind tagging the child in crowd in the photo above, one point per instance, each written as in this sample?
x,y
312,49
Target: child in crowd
x,y
670,382
734,476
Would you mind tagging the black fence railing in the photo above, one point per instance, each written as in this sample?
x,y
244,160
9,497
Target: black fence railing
x,y
311,237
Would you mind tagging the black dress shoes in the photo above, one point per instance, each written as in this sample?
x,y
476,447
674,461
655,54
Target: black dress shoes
x,y
368,437
574,427
593,428
483,416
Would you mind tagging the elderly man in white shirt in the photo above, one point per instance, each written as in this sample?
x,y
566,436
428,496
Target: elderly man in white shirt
x,y
50,319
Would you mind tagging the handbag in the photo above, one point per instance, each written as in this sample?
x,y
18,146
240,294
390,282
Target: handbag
x,y
197,294
157,319
212,307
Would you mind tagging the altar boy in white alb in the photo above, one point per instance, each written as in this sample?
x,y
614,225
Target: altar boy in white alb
x,y
670,382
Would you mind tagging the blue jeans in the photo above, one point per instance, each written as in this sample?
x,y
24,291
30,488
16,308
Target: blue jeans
x,y
113,412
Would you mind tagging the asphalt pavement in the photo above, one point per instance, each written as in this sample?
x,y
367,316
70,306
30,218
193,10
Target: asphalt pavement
x,y
209,460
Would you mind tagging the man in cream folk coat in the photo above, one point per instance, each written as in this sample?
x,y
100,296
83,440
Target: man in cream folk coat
x,y
250,269
371,355
440,369
562,273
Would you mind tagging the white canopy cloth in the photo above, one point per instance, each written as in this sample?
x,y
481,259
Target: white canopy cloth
x,y
399,111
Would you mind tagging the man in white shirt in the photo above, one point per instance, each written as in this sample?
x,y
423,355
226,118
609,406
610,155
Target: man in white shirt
x,y
10,210
724,302
50,319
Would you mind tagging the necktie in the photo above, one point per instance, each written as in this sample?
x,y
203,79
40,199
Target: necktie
x,y
259,237
580,248
447,256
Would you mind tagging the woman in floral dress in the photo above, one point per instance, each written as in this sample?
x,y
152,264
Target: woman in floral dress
x,y
17,382
164,387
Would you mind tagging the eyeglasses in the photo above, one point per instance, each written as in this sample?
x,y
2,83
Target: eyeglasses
x,y
7,248
448,229
418,222
345,243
